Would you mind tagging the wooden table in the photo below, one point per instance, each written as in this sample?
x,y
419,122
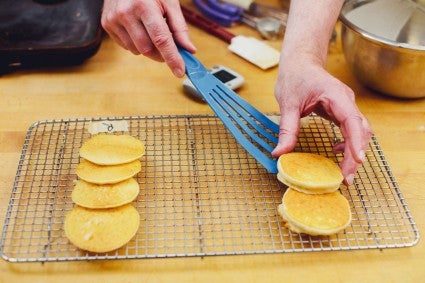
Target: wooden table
x,y
116,83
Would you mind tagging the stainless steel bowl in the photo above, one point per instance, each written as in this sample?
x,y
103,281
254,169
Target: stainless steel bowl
x,y
384,44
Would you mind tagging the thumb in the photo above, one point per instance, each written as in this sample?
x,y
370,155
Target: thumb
x,y
289,128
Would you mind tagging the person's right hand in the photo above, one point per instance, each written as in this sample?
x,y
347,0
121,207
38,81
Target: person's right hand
x,y
149,27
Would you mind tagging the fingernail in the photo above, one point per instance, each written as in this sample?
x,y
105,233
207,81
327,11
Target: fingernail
x,y
178,72
362,155
350,179
193,46
273,153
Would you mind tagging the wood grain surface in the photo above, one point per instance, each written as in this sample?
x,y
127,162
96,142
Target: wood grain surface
x,y
116,83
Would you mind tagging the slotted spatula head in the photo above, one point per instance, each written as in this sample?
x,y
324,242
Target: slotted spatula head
x,y
251,128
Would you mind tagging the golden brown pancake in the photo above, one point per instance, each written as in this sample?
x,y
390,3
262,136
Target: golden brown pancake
x,y
105,149
91,195
309,173
315,214
107,174
101,230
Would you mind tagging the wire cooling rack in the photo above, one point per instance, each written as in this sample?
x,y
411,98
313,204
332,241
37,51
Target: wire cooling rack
x,y
201,194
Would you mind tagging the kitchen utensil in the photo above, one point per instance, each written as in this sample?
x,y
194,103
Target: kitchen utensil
x,y
48,33
222,13
226,14
227,76
269,27
249,48
260,10
203,194
252,129
384,45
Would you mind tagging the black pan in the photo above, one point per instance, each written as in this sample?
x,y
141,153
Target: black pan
x,y
37,33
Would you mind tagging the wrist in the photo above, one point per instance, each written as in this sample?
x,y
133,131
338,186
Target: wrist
x,y
303,55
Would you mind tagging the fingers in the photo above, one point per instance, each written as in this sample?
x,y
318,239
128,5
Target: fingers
x,y
162,32
354,127
338,148
348,167
111,24
357,135
288,132
150,28
180,34
300,91
139,38
123,39
356,132
160,35
339,104
179,29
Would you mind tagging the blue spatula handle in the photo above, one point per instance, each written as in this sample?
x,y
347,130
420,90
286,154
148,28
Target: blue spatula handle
x,y
194,68
212,90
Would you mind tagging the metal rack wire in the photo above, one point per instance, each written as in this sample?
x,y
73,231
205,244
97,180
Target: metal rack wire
x,y
201,195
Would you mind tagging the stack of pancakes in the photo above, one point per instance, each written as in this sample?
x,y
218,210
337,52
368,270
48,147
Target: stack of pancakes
x,y
312,203
103,218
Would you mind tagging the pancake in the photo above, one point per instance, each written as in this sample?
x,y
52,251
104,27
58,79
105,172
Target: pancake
x,y
107,174
101,230
105,196
315,214
105,149
309,173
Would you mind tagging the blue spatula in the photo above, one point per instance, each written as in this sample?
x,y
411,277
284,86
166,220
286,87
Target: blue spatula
x,y
251,128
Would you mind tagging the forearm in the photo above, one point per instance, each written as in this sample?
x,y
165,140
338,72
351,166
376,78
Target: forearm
x,y
309,28
304,86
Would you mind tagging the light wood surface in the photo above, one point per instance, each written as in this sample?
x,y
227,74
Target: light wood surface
x,y
116,83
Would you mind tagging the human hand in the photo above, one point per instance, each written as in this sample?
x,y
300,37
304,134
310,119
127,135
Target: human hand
x,y
306,87
149,27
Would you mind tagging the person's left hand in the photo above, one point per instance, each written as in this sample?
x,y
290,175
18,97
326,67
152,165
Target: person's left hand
x,y
304,87
149,27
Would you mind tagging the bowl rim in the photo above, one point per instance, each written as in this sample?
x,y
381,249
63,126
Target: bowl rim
x,y
375,37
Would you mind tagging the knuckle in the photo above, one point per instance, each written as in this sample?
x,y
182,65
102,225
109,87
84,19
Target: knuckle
x,y
147,51
105,24
284,131
122,11
350,93
160,39
181,29
122,16
141,8
107,21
